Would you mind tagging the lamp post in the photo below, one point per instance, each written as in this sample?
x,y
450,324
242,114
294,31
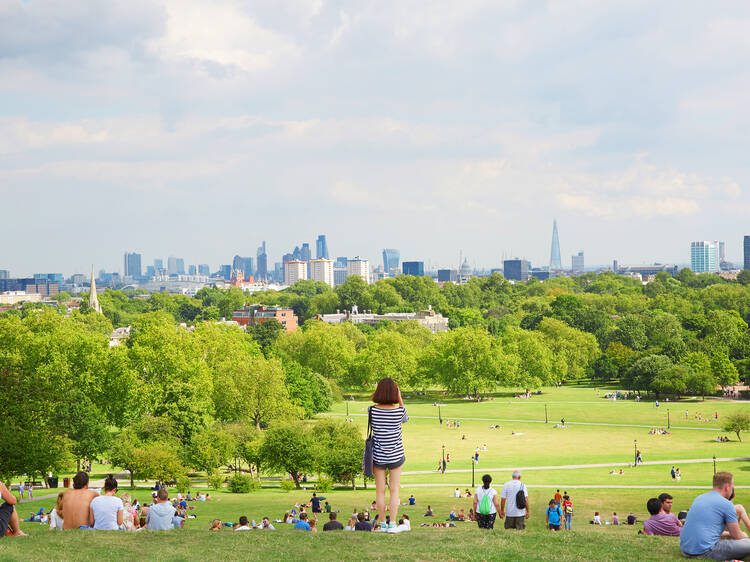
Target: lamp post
x,y
440,416
668,426
442,467
347,410
635,452
714,465
545,414
472,471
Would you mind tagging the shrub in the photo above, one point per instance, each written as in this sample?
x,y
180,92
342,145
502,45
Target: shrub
x,y
215,480
182,483
324,484
243,483
287,485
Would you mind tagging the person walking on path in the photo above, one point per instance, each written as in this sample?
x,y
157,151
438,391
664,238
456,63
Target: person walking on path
x,y
486,504
567,506
514,503
388,414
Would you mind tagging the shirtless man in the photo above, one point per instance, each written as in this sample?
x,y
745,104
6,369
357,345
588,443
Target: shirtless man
x,y
8,515
76,503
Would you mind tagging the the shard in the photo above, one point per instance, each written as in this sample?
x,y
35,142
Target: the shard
x,y
554,254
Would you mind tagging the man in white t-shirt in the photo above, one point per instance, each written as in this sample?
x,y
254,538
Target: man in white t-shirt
x,y
457,493
515,517
106,511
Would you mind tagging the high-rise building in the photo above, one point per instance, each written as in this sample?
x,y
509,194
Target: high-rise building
x,y
415,268
172,265
245,265
4,274
516,269
305,253
577,263
358,266
203,269
445,275
322,270
262,262
192,270
391,259
43,278
554,255
278,272
704,256
746,241
150,272
132,265
294,271
225,271
615,266
321,248
340,271
722,251
158,264
180,266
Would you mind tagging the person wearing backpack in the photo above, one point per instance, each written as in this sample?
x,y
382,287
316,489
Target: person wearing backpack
x,y
554,516
567,506
514,503
486,504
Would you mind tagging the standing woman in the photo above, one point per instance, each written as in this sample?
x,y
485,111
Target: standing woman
x,y
486,503
387,415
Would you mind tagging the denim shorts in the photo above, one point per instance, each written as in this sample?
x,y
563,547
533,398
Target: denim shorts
x,y
390,465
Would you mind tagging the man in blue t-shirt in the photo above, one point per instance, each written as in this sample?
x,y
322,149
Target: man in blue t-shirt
x,y
554,516
302,524
315,503
709,516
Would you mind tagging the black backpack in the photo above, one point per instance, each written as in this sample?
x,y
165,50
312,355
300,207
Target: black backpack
x,y
521,498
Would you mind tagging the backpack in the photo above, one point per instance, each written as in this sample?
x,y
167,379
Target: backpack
x,y
521,498
568,508
485,506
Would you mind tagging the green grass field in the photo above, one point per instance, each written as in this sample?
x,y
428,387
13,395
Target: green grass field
x,y
599,432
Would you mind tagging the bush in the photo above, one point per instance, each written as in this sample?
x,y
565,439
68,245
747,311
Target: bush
x,y
182,483
287,485
215,480
242,484
324,484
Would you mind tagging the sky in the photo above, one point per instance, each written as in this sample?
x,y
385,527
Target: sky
x,y
198,129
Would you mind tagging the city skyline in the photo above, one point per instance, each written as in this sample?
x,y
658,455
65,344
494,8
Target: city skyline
x,y
159,124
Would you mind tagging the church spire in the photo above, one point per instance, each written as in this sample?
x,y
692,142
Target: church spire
x,y
93,299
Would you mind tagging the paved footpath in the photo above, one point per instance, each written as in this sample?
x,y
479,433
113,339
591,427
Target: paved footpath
x,y
567,423
574,466
578,486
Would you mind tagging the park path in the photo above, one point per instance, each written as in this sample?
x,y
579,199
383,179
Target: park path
x,y
579,486
604,424
573,466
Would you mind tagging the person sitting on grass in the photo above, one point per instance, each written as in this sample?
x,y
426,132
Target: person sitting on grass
x,y
302,524
631,518
107,511
412,500
452,515
266,525
597,519
429,513
361,524
77,501
314,526
332,524
351,524
9,522
710,516
160,514
56,517
403,525
660,523
215,525
244,524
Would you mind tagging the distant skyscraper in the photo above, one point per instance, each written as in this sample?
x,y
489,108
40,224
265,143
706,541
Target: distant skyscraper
x,y
203,269
278,272
180,266
132,265
447,275
391,259
704,256
321,248
578,263
245,265
192,270
158,265
172,265
4,274
517,270
262,267
615,266
554,255
322,270
747,252
226,272
305,253
359,267
415,268
150,272
294,271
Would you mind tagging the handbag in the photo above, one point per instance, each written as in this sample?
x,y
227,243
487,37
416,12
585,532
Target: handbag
x,y
369,442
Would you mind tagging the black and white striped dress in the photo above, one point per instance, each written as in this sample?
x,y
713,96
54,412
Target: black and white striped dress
x,y
386,432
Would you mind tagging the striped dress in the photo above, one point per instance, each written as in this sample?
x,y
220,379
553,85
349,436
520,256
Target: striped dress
x,y
386,432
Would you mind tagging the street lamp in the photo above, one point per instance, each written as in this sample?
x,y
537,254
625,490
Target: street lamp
x,y
635,451
545,413
443,464
440,416
714,465
347,410
668,426
472,471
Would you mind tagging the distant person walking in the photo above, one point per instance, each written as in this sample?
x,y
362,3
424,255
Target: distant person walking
x,y
514,503
388,414
486,503
567,506
672,472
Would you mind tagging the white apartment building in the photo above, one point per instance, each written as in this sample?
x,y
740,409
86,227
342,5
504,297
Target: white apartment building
x,y
358,266
322,270
294,271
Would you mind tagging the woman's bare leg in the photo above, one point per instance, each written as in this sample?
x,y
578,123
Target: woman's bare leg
x,y
15,525
379,474
395,484
742,515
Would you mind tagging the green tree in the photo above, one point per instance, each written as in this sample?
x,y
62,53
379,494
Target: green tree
x,y
325,349
645,370
388,354
210,448
723,370
339,449
737,422
307,389
266,333
289,448
535,362
743,277
577,349
603,368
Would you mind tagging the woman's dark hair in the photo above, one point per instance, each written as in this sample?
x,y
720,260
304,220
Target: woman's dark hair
x,y
110,483
486,481
386,392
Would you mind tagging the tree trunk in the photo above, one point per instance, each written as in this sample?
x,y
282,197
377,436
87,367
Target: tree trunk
x,y
132,481
738,436
295,477
78,462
